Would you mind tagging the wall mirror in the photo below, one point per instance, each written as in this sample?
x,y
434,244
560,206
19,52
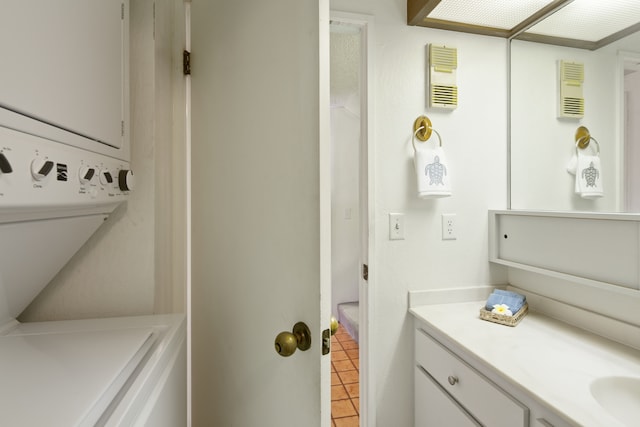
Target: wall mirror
x,y
604,38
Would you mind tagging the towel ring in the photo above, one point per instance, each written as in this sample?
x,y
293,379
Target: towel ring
x,y
422,124
582,145
422,130
583,139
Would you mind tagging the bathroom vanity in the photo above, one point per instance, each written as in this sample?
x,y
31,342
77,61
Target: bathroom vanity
x,y
573,360
540,373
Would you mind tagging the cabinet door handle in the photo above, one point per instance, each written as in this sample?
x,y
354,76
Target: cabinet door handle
x,y
452,380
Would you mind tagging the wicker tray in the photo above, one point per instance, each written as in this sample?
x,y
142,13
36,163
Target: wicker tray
x,y
502,319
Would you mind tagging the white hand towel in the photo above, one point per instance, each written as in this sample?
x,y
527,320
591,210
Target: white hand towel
x,y
432,171
589,176
573,164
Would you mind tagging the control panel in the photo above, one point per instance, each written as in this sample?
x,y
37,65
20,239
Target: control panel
x,y
40,173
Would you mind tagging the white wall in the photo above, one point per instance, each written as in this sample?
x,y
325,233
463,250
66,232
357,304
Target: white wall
x,y
474,137
127,266
345,209
345,172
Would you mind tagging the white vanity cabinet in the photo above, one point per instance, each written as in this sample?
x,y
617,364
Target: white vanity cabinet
x,y
538,374
449,392
436,407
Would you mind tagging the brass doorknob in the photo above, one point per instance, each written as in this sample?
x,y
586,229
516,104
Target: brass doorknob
x,y
334,325
287,342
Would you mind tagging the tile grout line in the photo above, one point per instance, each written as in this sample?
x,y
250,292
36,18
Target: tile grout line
x,y
345,349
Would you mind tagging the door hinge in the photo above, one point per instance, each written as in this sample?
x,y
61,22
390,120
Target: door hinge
x,y
365,271
122,128
122,11
326,341
186,62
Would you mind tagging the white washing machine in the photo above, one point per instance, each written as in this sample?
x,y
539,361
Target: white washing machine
x,y
128,371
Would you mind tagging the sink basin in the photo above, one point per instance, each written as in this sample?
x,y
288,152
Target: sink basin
x,y
620,396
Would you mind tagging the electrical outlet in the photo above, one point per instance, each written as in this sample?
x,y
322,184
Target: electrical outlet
x,y
396,226
449,227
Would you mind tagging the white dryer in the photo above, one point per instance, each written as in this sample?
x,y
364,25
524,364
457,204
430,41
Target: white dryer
x,y
128,371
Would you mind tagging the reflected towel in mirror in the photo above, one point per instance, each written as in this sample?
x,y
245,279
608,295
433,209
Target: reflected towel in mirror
x,y
589,176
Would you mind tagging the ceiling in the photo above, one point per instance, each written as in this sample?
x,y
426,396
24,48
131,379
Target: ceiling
x,y
586,24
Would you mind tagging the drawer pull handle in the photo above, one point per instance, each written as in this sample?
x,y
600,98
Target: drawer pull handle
x,y
452,380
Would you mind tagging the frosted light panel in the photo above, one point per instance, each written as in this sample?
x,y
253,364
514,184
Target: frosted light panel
x,y
590,20
504,14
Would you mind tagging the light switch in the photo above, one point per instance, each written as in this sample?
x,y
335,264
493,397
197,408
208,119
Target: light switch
x,y
396,226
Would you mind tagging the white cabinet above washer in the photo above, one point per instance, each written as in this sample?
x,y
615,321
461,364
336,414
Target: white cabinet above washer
x,y
65,64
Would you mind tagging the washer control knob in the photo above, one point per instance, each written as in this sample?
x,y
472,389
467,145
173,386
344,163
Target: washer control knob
x,y
126,180
105,177
5,166
86,174
41,168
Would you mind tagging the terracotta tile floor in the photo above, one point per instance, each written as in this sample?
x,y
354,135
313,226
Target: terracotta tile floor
x,y
345,386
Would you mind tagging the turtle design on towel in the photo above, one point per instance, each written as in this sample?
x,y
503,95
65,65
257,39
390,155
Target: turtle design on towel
x,y
590,174
435,171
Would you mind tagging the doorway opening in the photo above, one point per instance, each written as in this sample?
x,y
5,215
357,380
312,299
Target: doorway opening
x,y
350,118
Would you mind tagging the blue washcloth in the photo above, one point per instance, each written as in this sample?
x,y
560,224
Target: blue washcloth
x,y
513,300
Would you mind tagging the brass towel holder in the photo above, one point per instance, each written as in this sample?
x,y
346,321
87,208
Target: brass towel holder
x,y
583,138
422,129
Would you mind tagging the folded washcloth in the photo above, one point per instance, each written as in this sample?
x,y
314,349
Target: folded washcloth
x,y
513,300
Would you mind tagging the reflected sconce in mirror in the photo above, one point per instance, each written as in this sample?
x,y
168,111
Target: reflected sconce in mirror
x,y
443,89
571,98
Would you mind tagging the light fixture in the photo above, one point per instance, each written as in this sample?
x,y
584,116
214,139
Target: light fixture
x,y
585,24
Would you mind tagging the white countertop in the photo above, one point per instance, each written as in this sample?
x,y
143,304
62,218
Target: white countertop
x,y
553,361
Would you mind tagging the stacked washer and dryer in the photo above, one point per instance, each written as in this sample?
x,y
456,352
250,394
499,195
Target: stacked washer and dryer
x,y
64,168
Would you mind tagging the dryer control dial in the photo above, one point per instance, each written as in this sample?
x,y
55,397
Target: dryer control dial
x,y
126,180
5,166
41,168
105,177
86,174
41,176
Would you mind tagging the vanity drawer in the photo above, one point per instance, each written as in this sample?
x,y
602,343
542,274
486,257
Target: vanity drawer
x,y
435,407
484,400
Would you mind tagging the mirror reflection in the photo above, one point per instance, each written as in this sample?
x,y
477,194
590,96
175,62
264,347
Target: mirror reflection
x,y
543,141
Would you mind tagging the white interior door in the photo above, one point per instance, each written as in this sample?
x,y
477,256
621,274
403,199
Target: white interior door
x,y
259,211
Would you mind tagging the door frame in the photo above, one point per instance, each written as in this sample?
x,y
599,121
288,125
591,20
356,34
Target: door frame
x,y
187,137
367,215
623,57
